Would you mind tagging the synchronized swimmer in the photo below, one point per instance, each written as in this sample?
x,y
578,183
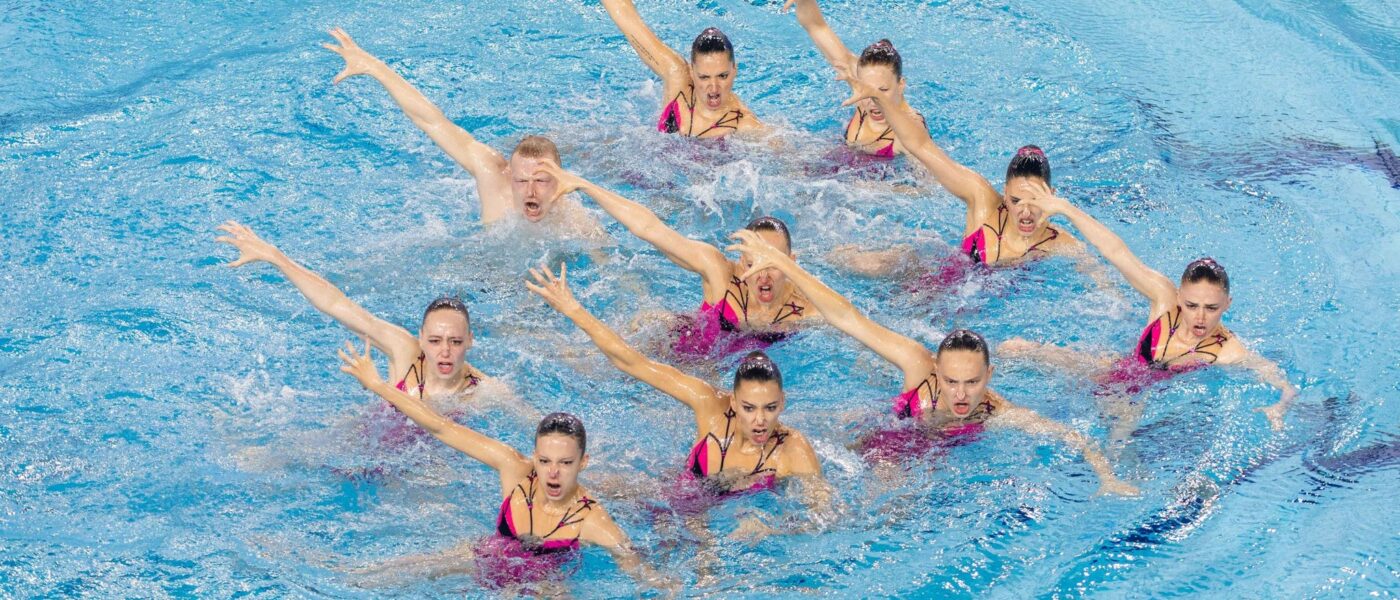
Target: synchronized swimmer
x,y
740,446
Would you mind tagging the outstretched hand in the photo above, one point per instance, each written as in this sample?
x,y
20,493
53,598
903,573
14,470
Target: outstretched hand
x,y
758,250
787,6
568,182
554,290
251,248
357,61
860,90
359,365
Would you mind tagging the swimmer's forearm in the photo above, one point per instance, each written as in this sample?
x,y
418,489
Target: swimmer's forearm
x,y
643,223
1146,281
424,114
621,355
809,16
479,446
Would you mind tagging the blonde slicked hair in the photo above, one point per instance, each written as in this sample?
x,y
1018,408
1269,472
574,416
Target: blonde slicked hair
x,y
537,146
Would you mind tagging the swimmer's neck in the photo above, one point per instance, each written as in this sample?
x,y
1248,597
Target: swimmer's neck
x,y
434,386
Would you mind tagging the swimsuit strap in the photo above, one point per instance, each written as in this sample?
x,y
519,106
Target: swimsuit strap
x,y
1054,233
728,120
786,311
572,516
778,438
416,370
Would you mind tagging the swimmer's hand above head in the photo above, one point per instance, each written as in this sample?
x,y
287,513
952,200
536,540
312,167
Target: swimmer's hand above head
x,y
568,183
251,248
1039,195
763,254
357,61
554,289
861,90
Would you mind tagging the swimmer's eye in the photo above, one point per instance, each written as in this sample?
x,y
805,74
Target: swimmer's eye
x,y
747,407
884,89
771,407
1212,307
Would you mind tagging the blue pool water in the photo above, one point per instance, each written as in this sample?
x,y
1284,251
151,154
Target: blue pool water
x,y
169,427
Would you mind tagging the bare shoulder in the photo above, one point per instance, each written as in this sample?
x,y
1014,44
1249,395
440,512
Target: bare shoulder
x,y
1232,350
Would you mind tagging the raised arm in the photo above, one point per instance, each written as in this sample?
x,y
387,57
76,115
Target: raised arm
x,y
509,463
701,397
915,360
1159,290
660,58
809,16
483,162
1031,422
959,180
692,255
391,339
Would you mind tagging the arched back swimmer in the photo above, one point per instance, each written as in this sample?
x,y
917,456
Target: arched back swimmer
x,y
879,66
1184,321
511,188
946,391
544,508
698,95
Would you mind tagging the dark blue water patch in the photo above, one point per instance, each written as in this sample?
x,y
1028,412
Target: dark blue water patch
x,y
148,324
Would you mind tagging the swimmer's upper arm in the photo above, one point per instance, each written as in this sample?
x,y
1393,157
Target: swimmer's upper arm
x,y
803,459
660,58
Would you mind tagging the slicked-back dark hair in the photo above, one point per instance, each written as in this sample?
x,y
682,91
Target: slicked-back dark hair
x,y
759,368
770,223
966,339
1206,269
1030,161
562,423
883,53
448,303
710,41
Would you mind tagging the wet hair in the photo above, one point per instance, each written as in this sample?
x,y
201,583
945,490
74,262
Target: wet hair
x,y
448,303
1030,161
710,41
1206,269
757,367
562,423
537,146
883,53
966,339
769,223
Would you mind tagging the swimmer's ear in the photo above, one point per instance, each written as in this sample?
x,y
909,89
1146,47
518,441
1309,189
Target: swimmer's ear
x,y
583,463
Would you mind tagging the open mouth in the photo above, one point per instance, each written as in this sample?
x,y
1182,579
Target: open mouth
x,y
962,408
712,100
1026,225
533,210
765,293
1199,330
759,436
877,114
445,367
553,490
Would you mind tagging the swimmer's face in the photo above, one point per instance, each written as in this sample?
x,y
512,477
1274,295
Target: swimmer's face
x,y
444,339
880,77
756,406
1024,219
713,76
764,285
962,382
1202,304
558,460
533,193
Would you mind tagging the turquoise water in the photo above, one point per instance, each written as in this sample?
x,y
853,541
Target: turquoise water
x,y
172,428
